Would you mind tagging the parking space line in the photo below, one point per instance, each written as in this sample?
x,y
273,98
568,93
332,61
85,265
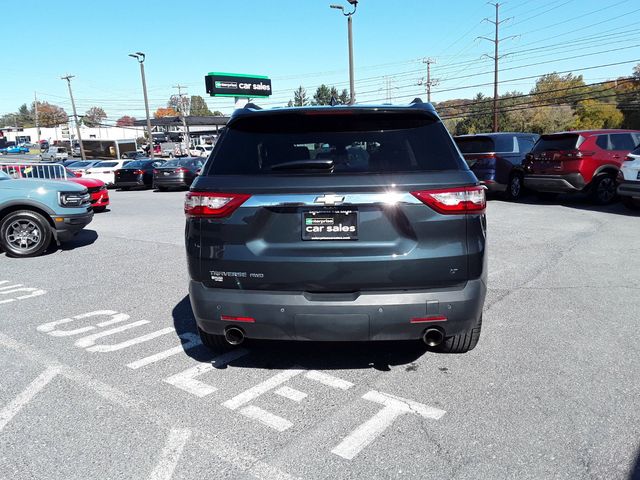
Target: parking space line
x,y
131,342
186,381
24,397
240,459
193,341
291,393
269,419
328,380
254,392
170,454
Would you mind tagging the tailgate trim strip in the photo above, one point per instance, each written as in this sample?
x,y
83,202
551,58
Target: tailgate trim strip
x,y
308,200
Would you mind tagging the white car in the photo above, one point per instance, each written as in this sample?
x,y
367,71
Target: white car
x,y
629,180
104,170
201,150
54,154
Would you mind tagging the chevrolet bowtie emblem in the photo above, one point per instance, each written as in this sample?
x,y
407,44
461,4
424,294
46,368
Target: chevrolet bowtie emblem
x,y
329,199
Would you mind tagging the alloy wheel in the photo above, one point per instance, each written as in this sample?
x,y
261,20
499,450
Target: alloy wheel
x,y
23,234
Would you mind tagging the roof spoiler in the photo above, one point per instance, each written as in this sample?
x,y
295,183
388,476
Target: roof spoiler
x,y
252,106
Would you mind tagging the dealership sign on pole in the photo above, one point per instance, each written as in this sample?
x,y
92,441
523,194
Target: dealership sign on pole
x,y
237,85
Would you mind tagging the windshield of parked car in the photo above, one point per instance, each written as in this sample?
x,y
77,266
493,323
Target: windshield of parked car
x,y
182,162
335,143
4,176
80,164
105,164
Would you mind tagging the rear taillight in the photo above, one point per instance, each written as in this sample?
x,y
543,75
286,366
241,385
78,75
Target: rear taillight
x,y
181,170
451,201
629,159
155,171
213,205
138,172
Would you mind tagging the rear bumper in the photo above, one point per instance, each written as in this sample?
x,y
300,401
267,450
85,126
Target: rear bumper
x,y
70,225
629,189
132,183
171,182
363,317
571,182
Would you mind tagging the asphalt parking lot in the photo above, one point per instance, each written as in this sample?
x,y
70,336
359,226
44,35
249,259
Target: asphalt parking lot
x,y
102,375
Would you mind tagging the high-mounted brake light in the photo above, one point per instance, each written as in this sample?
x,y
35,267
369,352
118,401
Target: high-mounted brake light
x,y
213,205
451,201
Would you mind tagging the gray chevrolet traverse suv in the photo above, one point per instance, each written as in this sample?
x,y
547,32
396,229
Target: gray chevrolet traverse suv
x,y
341,223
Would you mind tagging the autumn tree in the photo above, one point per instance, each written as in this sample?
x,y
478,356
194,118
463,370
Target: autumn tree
x,y
199,106
94,117
592,114
165,112
51,115
125,121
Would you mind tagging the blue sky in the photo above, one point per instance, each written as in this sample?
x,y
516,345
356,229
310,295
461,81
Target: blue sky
x,y
301,42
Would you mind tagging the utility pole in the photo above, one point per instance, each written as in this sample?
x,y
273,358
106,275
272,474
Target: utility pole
x,y
75,117
35,107
139,56
496,42
186,137
429,82
352,85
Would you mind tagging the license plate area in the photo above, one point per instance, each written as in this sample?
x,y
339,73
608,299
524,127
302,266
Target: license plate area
x,y
330,224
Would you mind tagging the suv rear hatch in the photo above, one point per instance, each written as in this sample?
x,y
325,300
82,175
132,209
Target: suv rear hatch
x,y
555,154
326,200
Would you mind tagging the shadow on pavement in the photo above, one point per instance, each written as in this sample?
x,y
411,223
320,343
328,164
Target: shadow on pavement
x,y
268,354
82,239
635,470
579,201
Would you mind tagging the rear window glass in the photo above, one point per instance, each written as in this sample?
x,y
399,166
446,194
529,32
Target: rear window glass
x,y
557,142
475,144
343,143
106,164
139,164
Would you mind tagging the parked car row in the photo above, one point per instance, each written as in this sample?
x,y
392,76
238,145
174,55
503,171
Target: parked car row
x,y
588,161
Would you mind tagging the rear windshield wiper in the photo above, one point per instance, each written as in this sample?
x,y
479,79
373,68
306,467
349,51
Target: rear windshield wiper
x,y
320,164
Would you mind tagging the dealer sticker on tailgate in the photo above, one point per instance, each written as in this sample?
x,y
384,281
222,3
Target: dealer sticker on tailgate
x,y
330,225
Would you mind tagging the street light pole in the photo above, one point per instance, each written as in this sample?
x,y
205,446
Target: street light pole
x,y
352,86
75,117
140,57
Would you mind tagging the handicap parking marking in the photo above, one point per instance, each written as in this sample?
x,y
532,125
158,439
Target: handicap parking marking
x,y
17,288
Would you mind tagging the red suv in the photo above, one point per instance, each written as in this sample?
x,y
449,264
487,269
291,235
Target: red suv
x,y
580,161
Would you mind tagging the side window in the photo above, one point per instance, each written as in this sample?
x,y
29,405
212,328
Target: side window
x,y
525,143
622,141
603,142
636,138
516,146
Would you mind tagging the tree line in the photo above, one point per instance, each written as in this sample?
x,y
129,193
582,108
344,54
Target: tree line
x,y
50,115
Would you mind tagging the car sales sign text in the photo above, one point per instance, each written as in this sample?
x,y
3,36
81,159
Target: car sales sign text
x,y
237,85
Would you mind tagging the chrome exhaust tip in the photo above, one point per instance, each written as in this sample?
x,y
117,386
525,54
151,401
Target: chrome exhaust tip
x,y
234,335
432,337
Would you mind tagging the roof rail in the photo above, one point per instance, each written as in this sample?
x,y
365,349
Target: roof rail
x,y
253,106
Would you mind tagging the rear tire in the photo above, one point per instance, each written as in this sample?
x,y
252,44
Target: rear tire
x,y
216,343
31,226
514,187
99,209
463,342
162,189
603,190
